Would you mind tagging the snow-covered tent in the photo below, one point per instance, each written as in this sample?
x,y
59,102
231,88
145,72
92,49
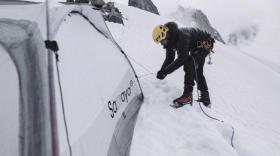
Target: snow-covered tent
x,y
101,95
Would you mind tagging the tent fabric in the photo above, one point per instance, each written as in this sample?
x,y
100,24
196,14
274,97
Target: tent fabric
x,y
101,93
17,2
35,13
24,44
121,140
102,64
9,105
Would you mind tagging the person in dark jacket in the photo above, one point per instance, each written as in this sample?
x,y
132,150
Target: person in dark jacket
x,y
192,46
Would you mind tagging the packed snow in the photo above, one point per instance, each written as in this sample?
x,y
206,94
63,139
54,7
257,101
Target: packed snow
x,y
244,95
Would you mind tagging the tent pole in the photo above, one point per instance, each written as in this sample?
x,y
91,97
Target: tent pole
x,y
53,116
130,64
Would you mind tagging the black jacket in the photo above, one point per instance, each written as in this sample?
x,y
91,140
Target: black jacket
x,y
184,42
178,41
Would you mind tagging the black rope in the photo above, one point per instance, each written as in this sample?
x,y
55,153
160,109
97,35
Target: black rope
x,y
145,75
208,114
53,46
63,108
139,64
204,112
231,140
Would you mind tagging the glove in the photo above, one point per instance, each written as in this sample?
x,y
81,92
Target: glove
x,y
161,75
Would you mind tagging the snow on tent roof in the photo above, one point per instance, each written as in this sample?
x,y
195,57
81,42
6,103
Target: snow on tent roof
x,y
101,94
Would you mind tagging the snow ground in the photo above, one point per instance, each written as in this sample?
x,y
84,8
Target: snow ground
x,y
244,94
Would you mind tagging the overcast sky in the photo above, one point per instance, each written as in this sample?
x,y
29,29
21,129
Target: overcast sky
x,y
224,12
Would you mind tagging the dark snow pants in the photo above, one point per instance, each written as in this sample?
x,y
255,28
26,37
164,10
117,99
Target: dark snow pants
x,y
190,75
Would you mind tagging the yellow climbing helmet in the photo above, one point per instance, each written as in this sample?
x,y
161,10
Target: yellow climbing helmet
x,y
159,33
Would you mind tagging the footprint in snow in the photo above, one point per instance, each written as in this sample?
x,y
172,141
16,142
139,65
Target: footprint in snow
x,y
160,83
166,89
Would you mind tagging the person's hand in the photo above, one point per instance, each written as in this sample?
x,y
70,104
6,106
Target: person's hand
x,y
161,75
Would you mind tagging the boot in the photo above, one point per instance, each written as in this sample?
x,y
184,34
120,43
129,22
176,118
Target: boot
x,y
205,98
183,100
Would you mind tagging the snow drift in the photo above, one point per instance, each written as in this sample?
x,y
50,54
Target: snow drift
x,y
244,94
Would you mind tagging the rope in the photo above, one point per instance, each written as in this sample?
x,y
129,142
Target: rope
x,y
143,67
139,64
204,112
62,104
211,117
145,75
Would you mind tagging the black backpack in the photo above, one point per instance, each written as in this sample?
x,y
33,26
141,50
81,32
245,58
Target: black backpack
x,y
200,39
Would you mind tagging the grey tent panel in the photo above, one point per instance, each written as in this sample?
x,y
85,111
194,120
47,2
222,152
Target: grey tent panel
x,y
122,137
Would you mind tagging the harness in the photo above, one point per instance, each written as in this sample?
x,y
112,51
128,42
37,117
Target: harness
x,y
200,39
207,45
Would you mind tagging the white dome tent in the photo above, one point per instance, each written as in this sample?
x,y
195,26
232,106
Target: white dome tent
x,y
101,92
